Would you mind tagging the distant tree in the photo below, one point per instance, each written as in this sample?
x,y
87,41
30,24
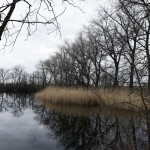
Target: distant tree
x,y
25,78
4,75
52,68
16,74
35,78
42,72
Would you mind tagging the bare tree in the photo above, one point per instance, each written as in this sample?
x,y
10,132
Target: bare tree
x,y
112,44
95,54
81,57
131,33
67,65
43,72
16,74
141,20
4,75
18,14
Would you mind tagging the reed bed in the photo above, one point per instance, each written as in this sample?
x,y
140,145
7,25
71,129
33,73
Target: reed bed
x,y
120,98
68,96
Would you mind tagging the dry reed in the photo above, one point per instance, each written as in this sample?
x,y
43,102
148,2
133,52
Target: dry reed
x,y
120,98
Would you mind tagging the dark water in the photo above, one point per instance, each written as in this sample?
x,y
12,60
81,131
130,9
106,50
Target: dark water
x,y
26,124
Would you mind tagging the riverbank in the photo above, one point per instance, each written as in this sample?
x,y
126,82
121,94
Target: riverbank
x,y
121,98
19,88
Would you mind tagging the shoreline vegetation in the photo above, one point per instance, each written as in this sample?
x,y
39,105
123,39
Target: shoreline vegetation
x,y
120,98
19,88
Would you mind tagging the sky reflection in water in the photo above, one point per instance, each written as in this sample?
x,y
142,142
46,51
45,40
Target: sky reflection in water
x,y
20,131
26,124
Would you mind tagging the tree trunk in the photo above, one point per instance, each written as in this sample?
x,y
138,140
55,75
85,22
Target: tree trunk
x,y
149,73
132,71
116,75
147,53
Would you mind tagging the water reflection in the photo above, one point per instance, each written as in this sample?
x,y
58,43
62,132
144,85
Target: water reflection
x,y
18,128
28,124
104,130
15,104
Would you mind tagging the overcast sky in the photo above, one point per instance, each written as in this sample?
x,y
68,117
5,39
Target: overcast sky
x,y
41,45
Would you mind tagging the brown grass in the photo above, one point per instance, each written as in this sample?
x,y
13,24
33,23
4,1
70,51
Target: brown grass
x,y
120,98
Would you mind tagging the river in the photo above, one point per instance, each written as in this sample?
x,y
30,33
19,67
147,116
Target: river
x,y
27,124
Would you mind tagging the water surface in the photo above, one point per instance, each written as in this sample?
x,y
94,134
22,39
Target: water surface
x,y
26,124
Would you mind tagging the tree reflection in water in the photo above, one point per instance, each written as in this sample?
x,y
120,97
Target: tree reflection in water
x,y
84,128
104,130
15,103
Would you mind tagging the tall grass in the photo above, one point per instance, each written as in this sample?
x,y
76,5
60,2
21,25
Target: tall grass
x,y
68,96
121,98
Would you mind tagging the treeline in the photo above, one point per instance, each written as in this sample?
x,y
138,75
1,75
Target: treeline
x,y
17,80
112,51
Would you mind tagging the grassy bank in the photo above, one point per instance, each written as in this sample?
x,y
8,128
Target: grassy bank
x,y
121,98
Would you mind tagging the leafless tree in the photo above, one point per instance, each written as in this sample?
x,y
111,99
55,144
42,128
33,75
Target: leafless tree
x,y
42,72
141,21
16,74
4,75
95,54
18,14
112,44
